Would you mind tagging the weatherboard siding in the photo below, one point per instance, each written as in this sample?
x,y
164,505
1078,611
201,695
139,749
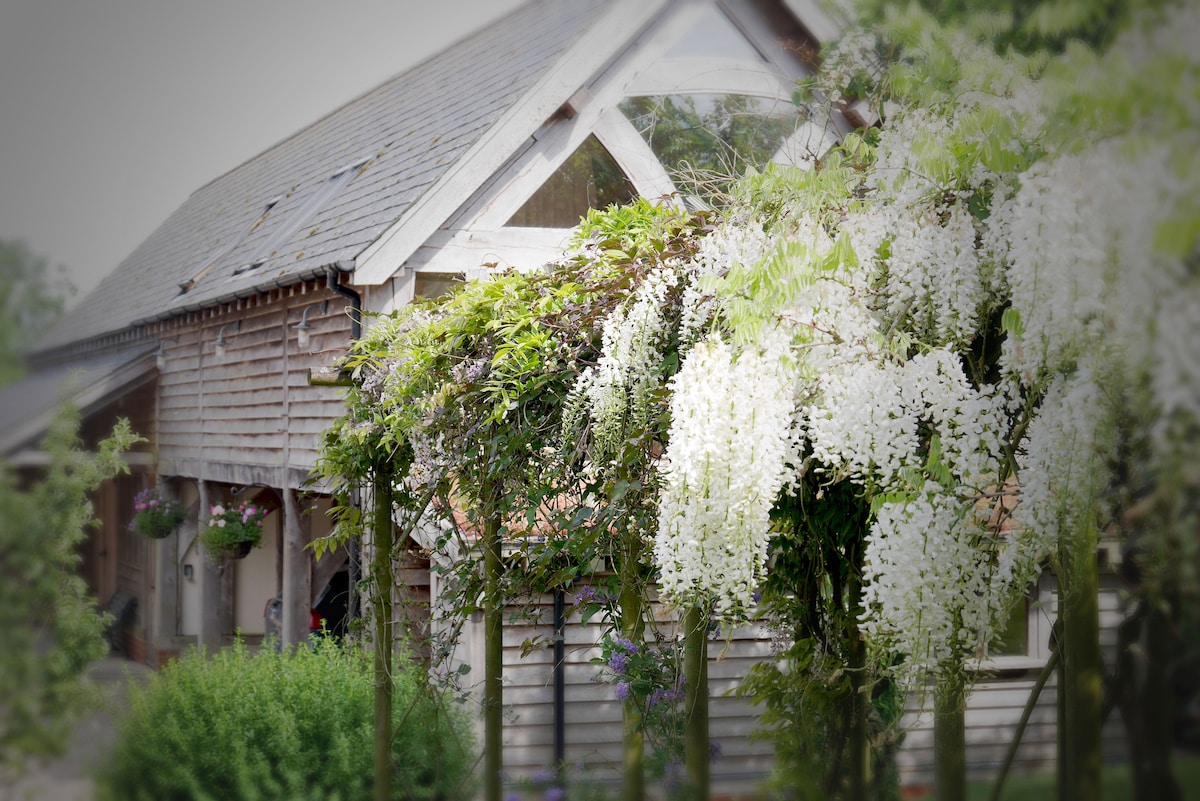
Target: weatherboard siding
x,y
592,714
254,407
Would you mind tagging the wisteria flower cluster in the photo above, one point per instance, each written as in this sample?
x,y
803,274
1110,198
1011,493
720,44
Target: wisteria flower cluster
x,y
618,392
154,515
729,455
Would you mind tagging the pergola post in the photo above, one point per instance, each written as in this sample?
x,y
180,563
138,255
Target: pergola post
x,y
297,572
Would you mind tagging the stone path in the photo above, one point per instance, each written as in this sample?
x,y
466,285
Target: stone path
x,y
69,777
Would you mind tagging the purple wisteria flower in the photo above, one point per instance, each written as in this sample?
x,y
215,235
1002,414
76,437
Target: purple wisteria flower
x,y
586,593
618,662
554,794
621,690
666,695
629,645
544,776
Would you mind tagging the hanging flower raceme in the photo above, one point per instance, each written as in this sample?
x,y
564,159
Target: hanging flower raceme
x,y
928,591
618,392
730,453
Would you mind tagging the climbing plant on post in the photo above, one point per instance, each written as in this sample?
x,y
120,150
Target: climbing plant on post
x,y
382,583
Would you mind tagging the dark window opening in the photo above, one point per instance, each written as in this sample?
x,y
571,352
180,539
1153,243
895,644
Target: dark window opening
x,y
588,179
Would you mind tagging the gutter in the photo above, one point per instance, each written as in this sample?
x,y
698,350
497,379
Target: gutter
x,y
334,283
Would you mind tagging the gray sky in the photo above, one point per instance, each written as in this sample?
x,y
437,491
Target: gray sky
x,y
113,111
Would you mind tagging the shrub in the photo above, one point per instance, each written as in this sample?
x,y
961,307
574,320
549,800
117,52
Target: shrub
x,y
290,726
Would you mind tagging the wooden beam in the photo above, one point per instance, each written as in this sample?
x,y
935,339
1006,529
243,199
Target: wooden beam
x,y
329,377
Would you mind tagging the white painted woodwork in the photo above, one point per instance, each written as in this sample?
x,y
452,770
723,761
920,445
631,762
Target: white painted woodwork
x,y
579,63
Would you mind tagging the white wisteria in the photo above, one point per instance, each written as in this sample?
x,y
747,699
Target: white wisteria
x,y
617,392
971,208
929,582
729,456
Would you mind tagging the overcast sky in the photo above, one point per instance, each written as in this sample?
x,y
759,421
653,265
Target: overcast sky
x,y
113,111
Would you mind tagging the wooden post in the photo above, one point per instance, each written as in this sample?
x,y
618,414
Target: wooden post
x,y
1083,678
297,577
166,584
633,626
950,738
493,655
695,694
382,583
212,624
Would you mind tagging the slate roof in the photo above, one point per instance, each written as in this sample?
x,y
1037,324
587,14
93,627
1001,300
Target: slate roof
x,y
409,130
27,406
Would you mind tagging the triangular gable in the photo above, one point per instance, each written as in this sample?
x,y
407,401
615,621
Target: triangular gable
x,y
622,20
716,74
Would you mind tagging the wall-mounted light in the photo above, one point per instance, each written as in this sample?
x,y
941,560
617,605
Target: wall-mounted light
x,y
303,329
160,356
219,345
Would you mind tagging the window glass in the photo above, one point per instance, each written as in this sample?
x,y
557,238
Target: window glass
x,y
1014,638
704,141
434,285
714,36
588,179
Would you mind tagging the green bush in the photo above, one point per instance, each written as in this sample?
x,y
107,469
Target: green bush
x,y
289,726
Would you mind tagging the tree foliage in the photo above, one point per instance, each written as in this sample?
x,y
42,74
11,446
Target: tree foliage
x,y
32,297
53,630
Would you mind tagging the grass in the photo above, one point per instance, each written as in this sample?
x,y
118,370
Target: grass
x,y
1117,784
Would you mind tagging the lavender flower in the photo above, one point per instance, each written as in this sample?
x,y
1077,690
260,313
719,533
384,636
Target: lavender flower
x,y
621,690
618,662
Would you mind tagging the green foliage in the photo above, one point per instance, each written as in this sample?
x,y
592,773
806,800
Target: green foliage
x,y
155,516
291,725
807,695
649,677
1021,26
32,297
51,627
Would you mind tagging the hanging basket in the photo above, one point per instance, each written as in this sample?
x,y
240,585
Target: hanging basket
x,y
239,551
154,516
232,531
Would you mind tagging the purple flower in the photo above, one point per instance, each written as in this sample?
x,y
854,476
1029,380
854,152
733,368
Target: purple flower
x,y
513,797
621,690
618,662
586,593
554,794
673,773
628,645
543,776
666,695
